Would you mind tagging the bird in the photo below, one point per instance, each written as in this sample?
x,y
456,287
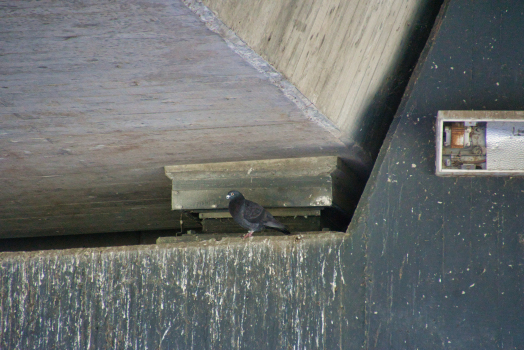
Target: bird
x,y
251,215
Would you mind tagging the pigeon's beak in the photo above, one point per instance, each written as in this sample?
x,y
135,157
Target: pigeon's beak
x,y
227,197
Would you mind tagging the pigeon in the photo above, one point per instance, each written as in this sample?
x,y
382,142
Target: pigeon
x,y
251,215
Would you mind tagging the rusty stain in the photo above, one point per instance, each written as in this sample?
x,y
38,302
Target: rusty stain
x,y
457,135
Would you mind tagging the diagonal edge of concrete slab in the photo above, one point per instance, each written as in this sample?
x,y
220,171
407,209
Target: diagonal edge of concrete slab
x,y
353,153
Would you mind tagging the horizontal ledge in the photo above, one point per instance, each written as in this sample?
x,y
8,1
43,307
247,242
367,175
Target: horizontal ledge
x,y
273,211
198,241
307,166
237,237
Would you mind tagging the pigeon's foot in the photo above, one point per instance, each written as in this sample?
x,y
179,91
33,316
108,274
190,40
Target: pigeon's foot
x,y
249,234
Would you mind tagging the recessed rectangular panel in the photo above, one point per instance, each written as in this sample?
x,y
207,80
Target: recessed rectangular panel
x,y
480,143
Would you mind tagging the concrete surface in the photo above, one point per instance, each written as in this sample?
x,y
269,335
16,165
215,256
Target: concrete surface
x,y
285,292
98,96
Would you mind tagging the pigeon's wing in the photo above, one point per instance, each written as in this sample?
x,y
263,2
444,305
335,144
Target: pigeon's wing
x,y
270,221
253,212
258,216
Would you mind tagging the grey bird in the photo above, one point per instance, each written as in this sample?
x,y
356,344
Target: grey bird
x,y
251,215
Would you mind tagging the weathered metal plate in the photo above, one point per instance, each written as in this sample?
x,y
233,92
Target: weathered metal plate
x,y
275,192
295,182
306,166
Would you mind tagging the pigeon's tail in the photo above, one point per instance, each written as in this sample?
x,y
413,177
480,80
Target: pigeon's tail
x,y
277,226
284,230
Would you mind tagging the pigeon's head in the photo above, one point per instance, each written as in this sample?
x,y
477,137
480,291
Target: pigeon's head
x,y
234,194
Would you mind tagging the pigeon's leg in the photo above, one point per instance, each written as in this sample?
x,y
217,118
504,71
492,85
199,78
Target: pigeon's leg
x,y
249,234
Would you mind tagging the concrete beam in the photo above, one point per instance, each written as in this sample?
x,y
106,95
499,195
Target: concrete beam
x,y
297,292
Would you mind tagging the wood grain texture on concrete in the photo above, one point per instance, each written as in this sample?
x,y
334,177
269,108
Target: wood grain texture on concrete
x,y
350,58
97,96
279,293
